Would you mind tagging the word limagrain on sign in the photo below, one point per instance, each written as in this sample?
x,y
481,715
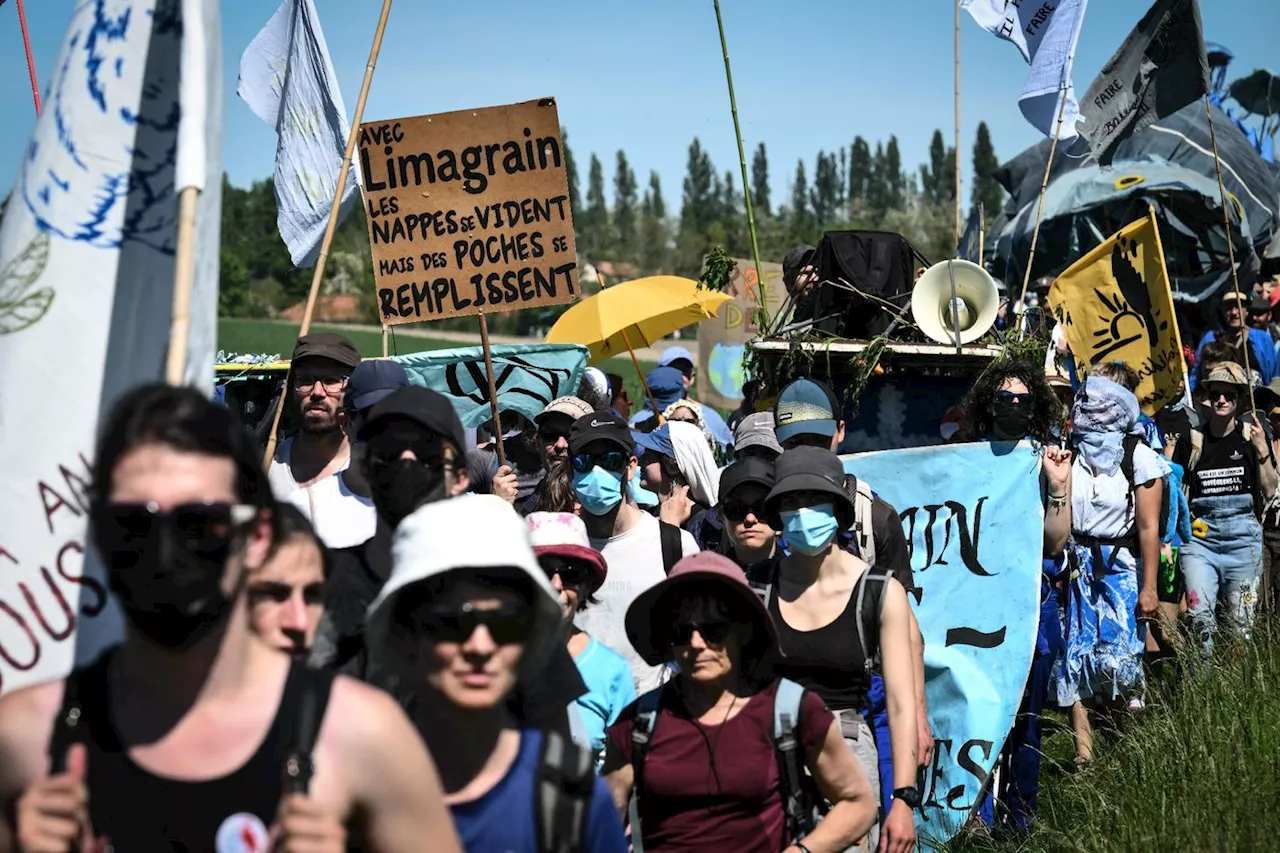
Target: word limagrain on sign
x,y
468,212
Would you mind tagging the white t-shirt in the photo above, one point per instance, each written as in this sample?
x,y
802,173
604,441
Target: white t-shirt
x,y
635,564
341,517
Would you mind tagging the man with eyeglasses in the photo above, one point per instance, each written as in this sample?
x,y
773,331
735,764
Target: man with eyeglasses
x,y
191,735
318,374
638,548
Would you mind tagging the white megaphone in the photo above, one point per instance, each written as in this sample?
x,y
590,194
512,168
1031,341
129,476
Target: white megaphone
x,y
977,301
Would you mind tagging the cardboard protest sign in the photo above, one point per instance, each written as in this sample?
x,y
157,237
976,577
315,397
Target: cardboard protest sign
x,y
468,212
722,340
974,523
1115,305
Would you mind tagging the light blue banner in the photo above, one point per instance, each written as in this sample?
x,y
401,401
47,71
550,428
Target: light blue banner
x,y
974,521
527,376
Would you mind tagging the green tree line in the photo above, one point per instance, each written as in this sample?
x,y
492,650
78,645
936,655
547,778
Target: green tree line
x,y
630,227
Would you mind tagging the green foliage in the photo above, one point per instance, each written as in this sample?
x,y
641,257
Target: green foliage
x,y
760,181
717,270
1198,770
986,189
624,209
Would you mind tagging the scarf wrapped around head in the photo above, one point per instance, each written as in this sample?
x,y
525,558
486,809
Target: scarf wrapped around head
x,y
1103,414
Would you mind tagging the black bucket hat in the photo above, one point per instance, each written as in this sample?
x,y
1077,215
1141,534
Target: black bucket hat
x,y
809,469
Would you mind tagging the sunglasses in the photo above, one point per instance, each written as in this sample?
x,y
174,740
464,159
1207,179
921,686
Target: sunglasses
x,y
1229,394
204,526
574,574
507,625
551,436
735,510
1016,399
712,633
614,461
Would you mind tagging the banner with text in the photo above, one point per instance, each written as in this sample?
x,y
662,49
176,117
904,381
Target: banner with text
x,y
973,519
722,341
527,377
469,212
1115,305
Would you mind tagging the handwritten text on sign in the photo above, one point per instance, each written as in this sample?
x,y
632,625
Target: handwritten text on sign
x,y
469,212
974,522
722,341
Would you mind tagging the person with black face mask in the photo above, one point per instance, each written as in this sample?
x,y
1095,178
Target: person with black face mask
x,y
184,736
1011,401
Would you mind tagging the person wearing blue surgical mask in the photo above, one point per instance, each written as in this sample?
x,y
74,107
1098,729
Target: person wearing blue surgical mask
x,y
638,548
838,621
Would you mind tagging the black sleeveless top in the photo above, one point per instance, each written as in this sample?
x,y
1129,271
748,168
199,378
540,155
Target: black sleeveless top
x,y
830,661
134,811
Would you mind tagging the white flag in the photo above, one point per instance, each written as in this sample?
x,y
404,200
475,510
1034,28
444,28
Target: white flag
x,y
287,79
1046,32
86,296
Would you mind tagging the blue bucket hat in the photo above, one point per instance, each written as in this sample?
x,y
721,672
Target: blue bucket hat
x,y
667,386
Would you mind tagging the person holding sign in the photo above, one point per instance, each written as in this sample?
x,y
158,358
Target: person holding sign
x,y
1114,556
1011,401
196,734
839,620
1232,475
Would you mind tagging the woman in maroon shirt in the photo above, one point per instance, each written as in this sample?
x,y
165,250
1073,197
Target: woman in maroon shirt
x,y
711,776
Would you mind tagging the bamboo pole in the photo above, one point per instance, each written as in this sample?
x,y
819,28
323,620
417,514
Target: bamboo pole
x,y
746,184
184,274
1044,185
959,218
334,211
1231,252
31,62
493,389
385,330
982,231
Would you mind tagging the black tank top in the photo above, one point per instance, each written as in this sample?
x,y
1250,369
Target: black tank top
x,y
135,811
829,661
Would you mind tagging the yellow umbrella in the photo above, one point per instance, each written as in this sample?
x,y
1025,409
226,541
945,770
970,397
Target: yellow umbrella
x,y
635,313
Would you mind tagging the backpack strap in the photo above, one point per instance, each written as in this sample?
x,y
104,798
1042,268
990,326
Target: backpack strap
x,y
646,721
786,741
672,547
860,493
870,604
83,689
1131,442
1197,448
314,687
562,794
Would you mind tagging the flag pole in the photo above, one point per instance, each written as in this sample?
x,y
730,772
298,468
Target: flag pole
x,y
959,231
742,160
31,62
493,389
184,274
1044,185
1231,251
1177,333
334,212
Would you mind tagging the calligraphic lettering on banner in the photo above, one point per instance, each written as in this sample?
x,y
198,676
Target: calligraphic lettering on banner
x,y
468,212
974,521
722,340
527,377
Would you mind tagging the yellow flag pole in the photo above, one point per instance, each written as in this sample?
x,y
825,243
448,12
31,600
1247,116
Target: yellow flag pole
x,y
329,230
1231,251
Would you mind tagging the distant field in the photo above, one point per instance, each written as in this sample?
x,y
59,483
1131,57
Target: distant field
x,y
269,336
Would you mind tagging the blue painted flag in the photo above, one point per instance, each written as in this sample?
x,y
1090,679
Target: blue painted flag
x,y
974,521
287,79
1046,35
527,376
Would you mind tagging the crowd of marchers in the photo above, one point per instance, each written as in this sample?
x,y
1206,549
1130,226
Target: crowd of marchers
x,y
650,630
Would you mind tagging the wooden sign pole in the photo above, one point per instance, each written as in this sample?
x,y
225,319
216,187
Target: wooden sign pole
x,y
334,211
184,273
493,389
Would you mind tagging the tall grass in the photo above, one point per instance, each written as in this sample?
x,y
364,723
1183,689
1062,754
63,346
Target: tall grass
x,y
1199,770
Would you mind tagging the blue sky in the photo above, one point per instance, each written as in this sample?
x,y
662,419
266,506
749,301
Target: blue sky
x,y
648,76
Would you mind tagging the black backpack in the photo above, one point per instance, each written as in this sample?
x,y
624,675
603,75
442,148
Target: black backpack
x,y
562,794
672,547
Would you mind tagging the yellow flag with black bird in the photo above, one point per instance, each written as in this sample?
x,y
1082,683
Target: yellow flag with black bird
x,y
1115,304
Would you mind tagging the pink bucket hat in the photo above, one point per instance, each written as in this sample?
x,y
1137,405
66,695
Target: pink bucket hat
x,y
564,535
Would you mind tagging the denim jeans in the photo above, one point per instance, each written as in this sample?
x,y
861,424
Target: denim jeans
x,y
1223,568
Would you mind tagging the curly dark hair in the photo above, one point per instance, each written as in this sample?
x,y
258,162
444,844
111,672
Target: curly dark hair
x,y
1047,414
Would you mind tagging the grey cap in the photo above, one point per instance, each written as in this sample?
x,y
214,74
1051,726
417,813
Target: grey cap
x,y
756,430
